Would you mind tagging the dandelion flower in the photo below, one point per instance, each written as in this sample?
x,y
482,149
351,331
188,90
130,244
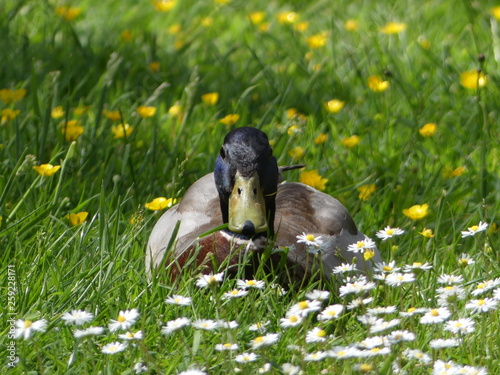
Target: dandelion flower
x,y
210,279
122,131
438,315
205,324
265,340
114,347
461,326
331,312
366,191
428,130
361,246
226,347
473,79
125,320
481,305
417,211
146,111
389,232
351,141
26,328
174,325
46,170
178,300
160,203
246,357
131,336
77,317
393,28
91,331
313,179
475,229
78,218
377,84
246,284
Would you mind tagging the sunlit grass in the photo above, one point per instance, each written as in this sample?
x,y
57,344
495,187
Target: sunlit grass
x,y
129,102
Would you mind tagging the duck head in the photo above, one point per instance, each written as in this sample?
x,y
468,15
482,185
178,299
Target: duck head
x,y
246,176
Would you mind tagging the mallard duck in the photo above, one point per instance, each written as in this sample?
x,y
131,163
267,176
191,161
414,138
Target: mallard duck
x,y
244,207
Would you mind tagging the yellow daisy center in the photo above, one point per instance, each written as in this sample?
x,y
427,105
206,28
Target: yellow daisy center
x,y
251,282
121,318
390,232
434,312
294,319
303,305
474,228
481,302
258,339
27,324
310,237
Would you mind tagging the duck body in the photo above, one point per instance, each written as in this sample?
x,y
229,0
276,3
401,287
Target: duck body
x,y
270,214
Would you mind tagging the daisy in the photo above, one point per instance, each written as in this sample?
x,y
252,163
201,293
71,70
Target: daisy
x,y
485,286
125,320
227,324
357,286
358,302
341,352
331,312
131,336
178,300
235,293
305,307
450,294
417,266
319,295
193,371
481,305
139,368
210,279
471,231
265,340
316,335
265,368
367,319
77,317
374,352
398,278
465,260
382,325
114,347
382,310
461,326
174,325
444,343
91,331
205,324
386,267
259,326
226,347
310,240
398,336
389,232
291,321
245,284
450,279
373,342
314,357
361,246
345,267
438,315
246,357
412,311
289,369
418,355
25,328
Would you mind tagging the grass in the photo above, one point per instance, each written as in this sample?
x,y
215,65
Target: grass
x,y
101,60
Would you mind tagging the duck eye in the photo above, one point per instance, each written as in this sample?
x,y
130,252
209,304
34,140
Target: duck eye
x,y
239,191
254,191
222,153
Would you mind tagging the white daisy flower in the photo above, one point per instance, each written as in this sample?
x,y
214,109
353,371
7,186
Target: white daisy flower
x,y
417,266
461,326
450,294
246,357
331,312
91,331
291,321
140,367
310,240
343,352
178,300
398,278
445,368
482,305
471,231
125,320
358,302
77,317
367,319
373,352
174,325
344,268
413,311
131,336
382,310
205,324
316,335
26,328
227,324
315,357
361,246
356,286
319,295
303,308
265,369
259,326
235,293
373,342
210,279
289,369
114,347
265,340
193,371
398,336
246,284
433,316
228,346
382,325
444,343
417,354
485,286
450,279
389,232
496,294
384,267
465,260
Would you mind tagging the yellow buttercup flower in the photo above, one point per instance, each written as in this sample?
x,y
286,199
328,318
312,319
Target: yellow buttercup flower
x,y
301,26
427,130
72,130
377,84
393,28
427,233
122,130
313,179
78,218
154,66
160,203
334,106
366,191
46,170
176,28
351,25
257,17
163,5
351,141
417,211
175,110
368,254
230,119
317,41
68,13
9,96
80,110
57,112
495,12
112,115
145,111
297,152
457,172
126,36
320,138
210,98
473,79
287,17
9,115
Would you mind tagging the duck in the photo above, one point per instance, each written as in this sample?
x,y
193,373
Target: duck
x,y
243,207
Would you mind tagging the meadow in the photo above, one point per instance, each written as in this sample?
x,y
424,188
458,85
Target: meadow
x,y
107,106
